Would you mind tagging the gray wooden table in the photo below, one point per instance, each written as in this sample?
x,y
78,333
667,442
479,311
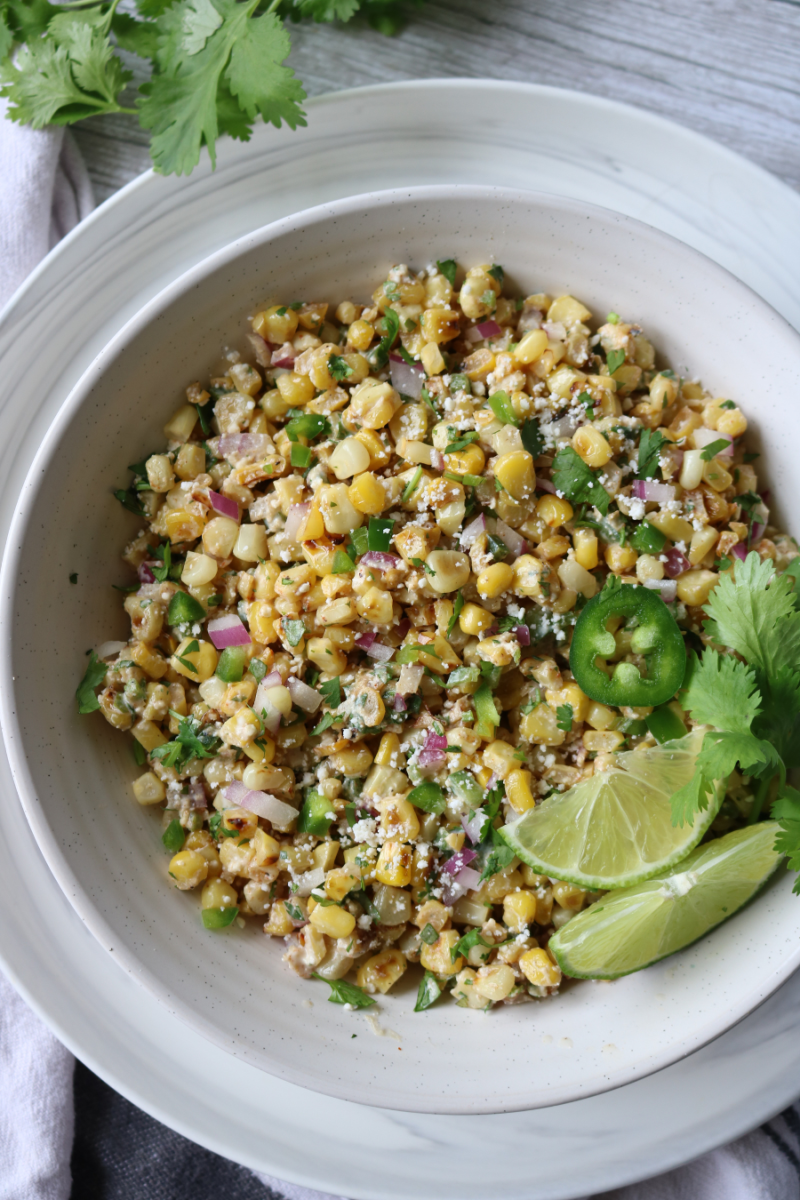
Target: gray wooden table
x,y
727,68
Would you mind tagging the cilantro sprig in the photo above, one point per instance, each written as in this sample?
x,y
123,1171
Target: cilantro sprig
x,y
752,700
215,65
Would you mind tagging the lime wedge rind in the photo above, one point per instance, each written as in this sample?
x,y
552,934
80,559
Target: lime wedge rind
x,y
615,829
634,927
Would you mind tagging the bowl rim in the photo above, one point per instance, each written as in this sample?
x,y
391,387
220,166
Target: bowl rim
x,y
49,846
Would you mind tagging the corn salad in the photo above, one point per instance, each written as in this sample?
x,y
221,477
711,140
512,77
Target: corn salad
x,y
360,558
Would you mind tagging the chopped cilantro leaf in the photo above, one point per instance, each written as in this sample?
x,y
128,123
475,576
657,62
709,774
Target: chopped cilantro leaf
x,y
714,448
343,992
564,714
429,992
173,837
577,481
94,675
615,359
448,268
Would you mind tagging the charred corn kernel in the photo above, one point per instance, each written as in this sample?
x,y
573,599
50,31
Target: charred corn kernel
x,y
262,618
585,543
342,880
148,789
151,662
279,923
219,537
701,544
382,971
350,458
324,654
436,957
603,741
473,619
160,474
276,324
600,716
388,751
494,982
469,461
367,494
373,404
694,587
540,727
338,612
716,476
198,569
242,728
499,758
251,544
182,525
495,580
379,455
648,567
553,547
352,762
197,664
394,865
519,910
569,896
146,619
554,511
518,790
620,558
539,969
531,347
333,921
732,421
440,325
188,868
399,820
591,446
180,425
516,473
432,912
677,529
360,334
375,606
570,694
451,570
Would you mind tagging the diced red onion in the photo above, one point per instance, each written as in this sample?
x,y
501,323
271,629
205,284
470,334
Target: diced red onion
x,y
437,460
515,541
459,860
489,329
261,349
704,437
380,652
310,880
468,878
224,506
650,489
236,791
399,703
674,458
264,805
294,519
303,696
473,826
432,753
365,640
407,379
523,634
676,563
403,628
145,574
472,335
544,485
739,551
110,649
228,631
555,330
757,533
436,741
491,781
472,532
666,588
491,631
241,447
380,559
455,886
284,356
274,679
409,680
765,495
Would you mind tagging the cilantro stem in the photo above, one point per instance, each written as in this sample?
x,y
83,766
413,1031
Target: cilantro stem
x,y
760,796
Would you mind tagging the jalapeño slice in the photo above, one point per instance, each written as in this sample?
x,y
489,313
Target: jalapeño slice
x,y
655,636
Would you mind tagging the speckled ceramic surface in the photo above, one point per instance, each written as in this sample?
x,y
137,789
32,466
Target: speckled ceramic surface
x,y
153,229
73,774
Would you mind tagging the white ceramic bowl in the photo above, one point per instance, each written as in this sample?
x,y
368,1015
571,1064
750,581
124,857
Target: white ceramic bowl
x,y
73,773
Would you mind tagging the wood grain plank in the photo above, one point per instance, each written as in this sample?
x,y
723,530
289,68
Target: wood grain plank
x,y
727,68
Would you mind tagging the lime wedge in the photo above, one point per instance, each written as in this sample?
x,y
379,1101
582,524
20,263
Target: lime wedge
x,y
615,829
631,929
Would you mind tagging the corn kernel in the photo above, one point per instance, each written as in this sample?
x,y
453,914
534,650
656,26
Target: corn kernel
x,y
494,982
367,495
473,619
495,580
334,921
149,789
188,868
394,864
516,473
603,741
518,790
532,346
388,750
600,716
519,910
540,727
382,971
591,446
694,587
585,543
539,969
499,758
198,664
554,511
436,957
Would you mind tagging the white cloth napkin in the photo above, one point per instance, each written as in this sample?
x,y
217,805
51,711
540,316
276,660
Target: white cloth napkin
x,y
44,192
